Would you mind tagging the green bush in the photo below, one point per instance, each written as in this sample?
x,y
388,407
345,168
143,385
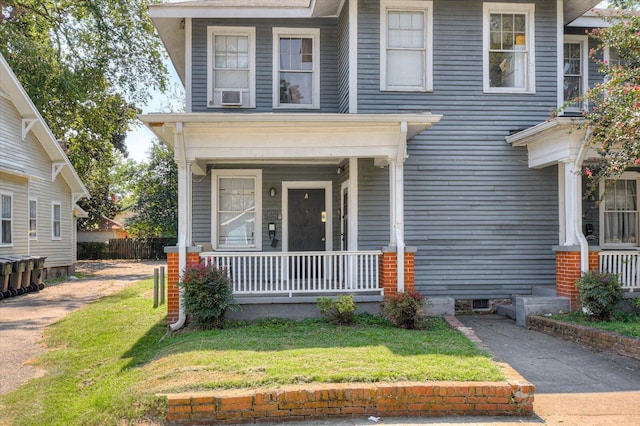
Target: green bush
x,y
600,293
340,311
208,295
403,309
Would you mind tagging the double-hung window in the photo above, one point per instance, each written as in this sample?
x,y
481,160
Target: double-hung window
x,y
231,67
575,70
296,67
406,45
33,219
619,212
56,221
6,218
509,48
237,209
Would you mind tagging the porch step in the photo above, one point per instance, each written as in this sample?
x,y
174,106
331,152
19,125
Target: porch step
x,y
508,311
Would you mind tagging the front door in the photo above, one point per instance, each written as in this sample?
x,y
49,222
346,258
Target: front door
x,y
307,220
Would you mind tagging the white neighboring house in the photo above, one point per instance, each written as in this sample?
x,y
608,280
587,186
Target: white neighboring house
x,y
39,188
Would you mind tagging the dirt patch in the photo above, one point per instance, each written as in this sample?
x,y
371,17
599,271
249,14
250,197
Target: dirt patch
x,y
24,318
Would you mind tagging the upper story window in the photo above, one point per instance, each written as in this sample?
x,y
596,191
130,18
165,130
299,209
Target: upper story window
x,y
231,67
619,212
56,221
33,219
509,57
575,70
296,67
406,45
6,217
237,209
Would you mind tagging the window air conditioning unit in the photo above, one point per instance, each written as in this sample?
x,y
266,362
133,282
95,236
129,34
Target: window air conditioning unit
x,y
231,98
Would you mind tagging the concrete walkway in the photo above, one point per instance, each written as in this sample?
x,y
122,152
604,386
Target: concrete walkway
x,y
575,385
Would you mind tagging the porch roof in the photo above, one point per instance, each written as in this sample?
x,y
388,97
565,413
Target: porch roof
x,y
321,137
551,141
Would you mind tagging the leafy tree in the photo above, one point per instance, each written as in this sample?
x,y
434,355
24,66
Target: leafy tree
x,y
156,195
85,64
613,115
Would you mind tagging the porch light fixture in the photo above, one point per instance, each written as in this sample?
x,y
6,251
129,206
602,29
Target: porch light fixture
x,y
272,191
339,170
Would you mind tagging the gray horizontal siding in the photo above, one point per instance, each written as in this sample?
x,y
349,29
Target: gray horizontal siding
x,y
482,221
264,65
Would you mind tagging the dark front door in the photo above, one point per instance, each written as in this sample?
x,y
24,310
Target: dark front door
x,y
307,220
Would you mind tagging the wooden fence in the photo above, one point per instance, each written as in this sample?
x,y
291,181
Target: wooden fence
x,y
126,248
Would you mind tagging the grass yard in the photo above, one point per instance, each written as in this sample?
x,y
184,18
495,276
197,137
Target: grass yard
x,y
622,323
110,359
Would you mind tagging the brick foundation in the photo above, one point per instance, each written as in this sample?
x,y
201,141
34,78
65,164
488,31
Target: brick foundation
x,y
389,274
568,272
173,277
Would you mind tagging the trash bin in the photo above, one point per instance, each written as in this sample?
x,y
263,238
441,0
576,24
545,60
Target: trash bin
x,y
38,272
6,266
15,282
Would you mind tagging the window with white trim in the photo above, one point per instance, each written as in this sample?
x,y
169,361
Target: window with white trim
x,y
619,212
33,219
296,67
237,209
56,221
575,70
509,47
231,70
406,45
6,218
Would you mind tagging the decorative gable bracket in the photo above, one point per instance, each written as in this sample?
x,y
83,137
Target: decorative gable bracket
x,y
27,124
77,196
56,168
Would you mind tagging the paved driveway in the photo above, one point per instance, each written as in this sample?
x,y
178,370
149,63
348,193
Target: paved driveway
x,y
575,385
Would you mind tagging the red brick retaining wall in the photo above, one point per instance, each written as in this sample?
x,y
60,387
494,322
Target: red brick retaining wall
x,y
599,339
388,273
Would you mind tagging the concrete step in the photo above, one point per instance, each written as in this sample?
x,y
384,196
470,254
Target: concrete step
x,y
508,311
539,305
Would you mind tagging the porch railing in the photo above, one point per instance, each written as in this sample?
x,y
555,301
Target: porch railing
x,y
624,263
295,273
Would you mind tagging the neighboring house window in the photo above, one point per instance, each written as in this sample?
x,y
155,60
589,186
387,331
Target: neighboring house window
x,y
237,209
6,201
296,67
33,219
231,67
575,70
56,221
619,212
509,57
406,45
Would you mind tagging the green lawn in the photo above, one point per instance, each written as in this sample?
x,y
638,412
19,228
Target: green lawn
x,y
110,359
622,323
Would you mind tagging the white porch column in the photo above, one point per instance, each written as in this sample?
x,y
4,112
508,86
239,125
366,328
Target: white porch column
x,y
352,237
396,193
572,202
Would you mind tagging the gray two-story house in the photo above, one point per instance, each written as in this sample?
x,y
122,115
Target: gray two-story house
x,y
326,142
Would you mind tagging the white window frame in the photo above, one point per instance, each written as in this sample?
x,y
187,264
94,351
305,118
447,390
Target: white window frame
x,y
245,173
625,176
584,68
425,7
249,32
9,244
33,237
528,9
55,204
314,35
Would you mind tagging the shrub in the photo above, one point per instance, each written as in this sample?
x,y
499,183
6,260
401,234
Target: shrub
x,y
403,309
208,295
340,311
600,293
